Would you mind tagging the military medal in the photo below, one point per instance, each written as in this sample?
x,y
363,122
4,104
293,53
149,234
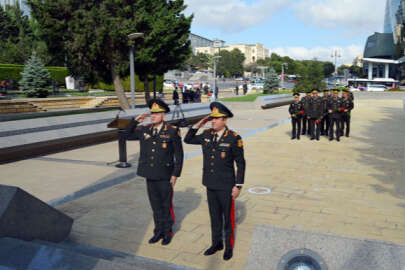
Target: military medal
x,y
164,145
223,155
147,136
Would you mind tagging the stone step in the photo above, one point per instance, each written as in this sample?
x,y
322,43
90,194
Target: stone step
x,y
21,255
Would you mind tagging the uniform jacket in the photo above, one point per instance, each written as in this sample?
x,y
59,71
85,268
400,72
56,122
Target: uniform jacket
x,y
315,107
296,108
347,104
220,158
325,101
305,103
335,104
162,155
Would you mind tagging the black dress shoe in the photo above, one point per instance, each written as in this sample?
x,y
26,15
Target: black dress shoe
x,y
298,138
347,136
312,139
330,139
228,254
155,238
338,139
213,249
166,240
292,138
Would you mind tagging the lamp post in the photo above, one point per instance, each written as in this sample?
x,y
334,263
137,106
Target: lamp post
x,y
336,54
215,73
282,74
133,37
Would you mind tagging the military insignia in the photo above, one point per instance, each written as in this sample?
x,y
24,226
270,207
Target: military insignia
x,y
207,140
223,154
225,144
146,136
164,145
165,136
240,143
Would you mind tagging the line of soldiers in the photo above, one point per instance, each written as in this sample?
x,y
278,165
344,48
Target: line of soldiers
x,y
161,162
328,115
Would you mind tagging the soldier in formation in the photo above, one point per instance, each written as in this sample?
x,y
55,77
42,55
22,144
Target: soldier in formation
x,y
328,115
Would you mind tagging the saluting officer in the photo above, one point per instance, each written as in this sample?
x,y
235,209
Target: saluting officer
x,y
160,162
334,109
315,114
305,103
222,148
348,106
325,120
296,111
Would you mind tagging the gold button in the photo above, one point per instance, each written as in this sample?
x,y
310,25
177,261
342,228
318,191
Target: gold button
x,y
152,158
212,157
153,150
213,150
151,165
212,170
212,163
154,142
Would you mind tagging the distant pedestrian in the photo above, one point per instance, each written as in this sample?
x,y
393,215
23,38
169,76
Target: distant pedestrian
x,y
296,111
245,88
175,96
237,89
216,92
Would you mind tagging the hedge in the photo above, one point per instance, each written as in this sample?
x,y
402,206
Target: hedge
x,y
10,71
126,83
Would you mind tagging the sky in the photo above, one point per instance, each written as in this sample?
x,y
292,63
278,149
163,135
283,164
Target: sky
x,y
301,29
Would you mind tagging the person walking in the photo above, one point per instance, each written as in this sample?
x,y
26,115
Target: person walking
x,y
296,111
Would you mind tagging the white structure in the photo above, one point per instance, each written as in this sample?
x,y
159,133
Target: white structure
x,y
22,4
251,52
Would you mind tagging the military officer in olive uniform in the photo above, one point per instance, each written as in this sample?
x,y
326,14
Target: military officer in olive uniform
x,y
296,111
305,103
334,109
160,162
222,148
315,114
347,104
325,120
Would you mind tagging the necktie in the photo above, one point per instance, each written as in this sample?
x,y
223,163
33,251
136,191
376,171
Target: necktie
x,y
154,132
215,138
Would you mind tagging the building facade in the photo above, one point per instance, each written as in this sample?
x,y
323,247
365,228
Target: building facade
x,y
252,53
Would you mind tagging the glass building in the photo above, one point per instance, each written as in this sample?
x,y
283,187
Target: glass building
x,y
391,9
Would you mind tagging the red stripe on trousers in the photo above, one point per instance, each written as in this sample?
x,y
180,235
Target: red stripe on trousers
x,y
171,210
232,240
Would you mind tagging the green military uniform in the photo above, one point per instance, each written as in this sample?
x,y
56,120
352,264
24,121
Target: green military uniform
x,y
220,154
161,157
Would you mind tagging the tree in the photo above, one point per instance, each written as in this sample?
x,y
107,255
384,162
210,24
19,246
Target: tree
x,y
328,69
230,63
253,68
35,80
92,36
311,76
199,61
271,82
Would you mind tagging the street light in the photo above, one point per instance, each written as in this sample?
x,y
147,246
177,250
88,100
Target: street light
x,y
215,73
282,74
336,54
133,37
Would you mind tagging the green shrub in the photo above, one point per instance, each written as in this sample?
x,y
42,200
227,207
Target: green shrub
x,y
10,71
126,83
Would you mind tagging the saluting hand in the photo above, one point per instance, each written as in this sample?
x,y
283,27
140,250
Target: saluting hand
x,y
203,121
142,117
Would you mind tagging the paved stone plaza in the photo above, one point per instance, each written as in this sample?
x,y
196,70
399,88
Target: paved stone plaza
x,y
353,188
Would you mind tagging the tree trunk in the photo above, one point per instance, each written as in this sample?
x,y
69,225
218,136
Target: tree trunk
x,y
146,88
119,90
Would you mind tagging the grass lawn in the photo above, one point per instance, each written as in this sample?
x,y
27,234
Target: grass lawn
x,y
252,97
